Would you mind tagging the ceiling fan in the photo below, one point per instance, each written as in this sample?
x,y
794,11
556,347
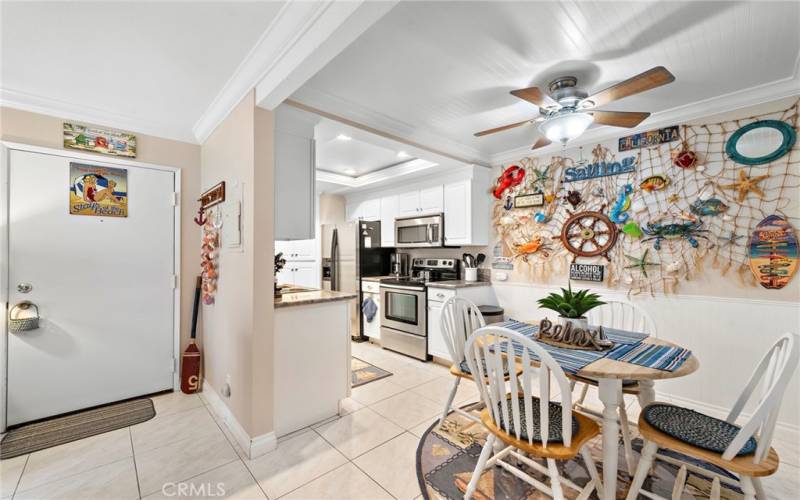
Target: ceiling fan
x,y
565,112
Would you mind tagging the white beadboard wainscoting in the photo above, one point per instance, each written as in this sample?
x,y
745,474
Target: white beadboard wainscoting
x,y
728,335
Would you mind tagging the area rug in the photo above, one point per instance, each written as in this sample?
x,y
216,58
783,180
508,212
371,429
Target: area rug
x,y
447,456
55,431
364,373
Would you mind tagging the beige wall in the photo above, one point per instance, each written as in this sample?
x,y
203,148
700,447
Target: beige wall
x,y
237,329
43,130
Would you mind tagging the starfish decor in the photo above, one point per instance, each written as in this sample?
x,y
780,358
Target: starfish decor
x,y
746,184
640,263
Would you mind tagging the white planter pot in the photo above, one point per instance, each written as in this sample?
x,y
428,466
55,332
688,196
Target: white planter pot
x,y
581,322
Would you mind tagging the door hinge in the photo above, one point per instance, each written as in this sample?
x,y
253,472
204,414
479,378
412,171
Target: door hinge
x,y
175,199
175,362
174,281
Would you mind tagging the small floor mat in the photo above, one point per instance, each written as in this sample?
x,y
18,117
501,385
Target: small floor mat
x,y
59,430
364,373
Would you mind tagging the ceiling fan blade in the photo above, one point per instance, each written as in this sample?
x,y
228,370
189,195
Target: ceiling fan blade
x,y
504,127
650,79
627,119
536,96
541,142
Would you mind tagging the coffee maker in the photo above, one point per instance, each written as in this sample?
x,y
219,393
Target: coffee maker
x,y
399,264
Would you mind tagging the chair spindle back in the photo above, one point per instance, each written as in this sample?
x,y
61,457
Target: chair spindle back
x,y
622,316
460,317
485,351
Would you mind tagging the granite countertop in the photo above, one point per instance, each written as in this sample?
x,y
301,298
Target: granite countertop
x,y
458,284
377,278
307,297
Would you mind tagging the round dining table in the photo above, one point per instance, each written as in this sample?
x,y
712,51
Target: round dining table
x,y
609,374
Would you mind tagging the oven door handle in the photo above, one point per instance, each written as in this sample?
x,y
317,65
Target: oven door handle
x,y
401,287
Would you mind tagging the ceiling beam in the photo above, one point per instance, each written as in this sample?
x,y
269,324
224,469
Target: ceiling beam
x,y
301,39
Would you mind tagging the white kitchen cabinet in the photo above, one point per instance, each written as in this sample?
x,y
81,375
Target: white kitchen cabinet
x,y
299,274
389,212
428,200
298,249
295,174
480,295
466,211
369,209
431,200
462,197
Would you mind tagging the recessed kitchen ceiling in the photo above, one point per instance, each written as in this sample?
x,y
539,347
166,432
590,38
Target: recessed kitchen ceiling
x,y
159,64
441,71
347,151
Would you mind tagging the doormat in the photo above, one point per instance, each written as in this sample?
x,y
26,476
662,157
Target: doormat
x,y
60,430
364,373
447,456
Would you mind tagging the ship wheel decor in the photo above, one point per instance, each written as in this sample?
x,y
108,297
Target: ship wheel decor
x,y
588,234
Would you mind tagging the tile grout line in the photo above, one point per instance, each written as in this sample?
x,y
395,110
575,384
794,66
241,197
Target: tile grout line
x,y
19,479
233,445
135,468
372,478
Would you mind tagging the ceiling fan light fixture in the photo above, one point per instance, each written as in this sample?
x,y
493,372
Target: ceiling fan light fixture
x,y
566,127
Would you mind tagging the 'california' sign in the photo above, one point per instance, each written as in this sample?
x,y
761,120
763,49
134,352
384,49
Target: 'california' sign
x,y
600,169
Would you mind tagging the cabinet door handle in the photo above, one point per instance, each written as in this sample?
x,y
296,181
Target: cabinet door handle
x,y
440,295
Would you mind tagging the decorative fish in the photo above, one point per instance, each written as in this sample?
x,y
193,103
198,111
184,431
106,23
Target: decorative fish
x,y
632,229
711,206
655,183
623,203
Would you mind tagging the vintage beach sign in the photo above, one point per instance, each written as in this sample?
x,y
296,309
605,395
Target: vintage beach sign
x,y
98,191
600,169
586,272
649,138
110,142
773,252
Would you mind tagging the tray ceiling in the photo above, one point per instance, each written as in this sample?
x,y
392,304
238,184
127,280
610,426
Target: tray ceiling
x,y
439,71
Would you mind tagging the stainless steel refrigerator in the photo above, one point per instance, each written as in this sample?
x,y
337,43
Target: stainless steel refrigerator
x,y
350,251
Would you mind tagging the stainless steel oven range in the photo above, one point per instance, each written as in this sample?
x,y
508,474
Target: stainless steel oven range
x,y
404,308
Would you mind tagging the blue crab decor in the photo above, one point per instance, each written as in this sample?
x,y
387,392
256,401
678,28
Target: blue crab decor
x,y
688,230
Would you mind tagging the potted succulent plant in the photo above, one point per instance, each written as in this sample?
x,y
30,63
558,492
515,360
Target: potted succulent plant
x,y
571,307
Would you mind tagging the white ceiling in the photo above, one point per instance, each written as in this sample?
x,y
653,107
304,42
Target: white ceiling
x,y
354,157
437,72
157,64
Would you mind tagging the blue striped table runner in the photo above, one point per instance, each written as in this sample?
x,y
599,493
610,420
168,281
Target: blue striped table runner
x,y
662,357
629,349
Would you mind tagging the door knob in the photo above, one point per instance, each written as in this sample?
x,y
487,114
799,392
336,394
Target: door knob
x,y
24,287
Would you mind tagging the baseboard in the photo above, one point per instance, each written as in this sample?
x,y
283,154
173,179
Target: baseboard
x,y
253,446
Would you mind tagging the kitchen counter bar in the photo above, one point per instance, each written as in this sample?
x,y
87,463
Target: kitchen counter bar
x,y
311,297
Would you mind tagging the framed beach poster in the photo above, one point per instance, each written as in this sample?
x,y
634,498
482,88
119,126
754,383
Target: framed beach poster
x,y
98,191
110,142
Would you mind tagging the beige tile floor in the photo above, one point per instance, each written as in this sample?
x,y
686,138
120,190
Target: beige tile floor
x,y
184,452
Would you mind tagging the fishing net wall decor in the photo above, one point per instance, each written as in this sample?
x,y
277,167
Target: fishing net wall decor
x,y
675,224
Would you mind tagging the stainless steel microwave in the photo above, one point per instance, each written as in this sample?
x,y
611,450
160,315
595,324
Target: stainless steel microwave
x,y
417,232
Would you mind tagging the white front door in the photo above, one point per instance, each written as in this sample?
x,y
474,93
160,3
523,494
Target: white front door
x,y
103,285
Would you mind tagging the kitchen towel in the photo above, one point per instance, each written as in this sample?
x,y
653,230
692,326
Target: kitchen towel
x,y
369,308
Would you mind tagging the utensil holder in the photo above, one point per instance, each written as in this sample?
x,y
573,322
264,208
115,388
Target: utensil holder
x,y
471,274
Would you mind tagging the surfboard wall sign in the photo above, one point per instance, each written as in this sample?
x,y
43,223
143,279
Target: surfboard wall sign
x,y
773,252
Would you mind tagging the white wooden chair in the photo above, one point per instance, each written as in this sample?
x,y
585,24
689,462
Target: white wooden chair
x,y
528,425
622,316
460,317
744,451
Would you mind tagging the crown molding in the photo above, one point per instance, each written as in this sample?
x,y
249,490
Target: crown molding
x,y
91,115
291,22
323,39
358,115
760,94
